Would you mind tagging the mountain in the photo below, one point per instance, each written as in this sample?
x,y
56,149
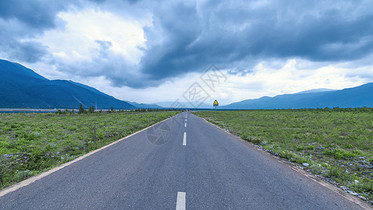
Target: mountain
x,y
136,105
317,90
21,87
146,106
183,104
350,97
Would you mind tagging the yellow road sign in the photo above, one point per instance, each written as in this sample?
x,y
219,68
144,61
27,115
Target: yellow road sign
x,y
216,103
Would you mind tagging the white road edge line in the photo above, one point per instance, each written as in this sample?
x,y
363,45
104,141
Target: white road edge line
x,y
32,179
185,124
180,202
184,139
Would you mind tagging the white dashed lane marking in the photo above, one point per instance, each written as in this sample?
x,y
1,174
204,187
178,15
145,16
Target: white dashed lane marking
x,y
184,139
180,202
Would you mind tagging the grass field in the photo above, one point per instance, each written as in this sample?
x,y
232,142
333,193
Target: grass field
x,y
34,142
334,143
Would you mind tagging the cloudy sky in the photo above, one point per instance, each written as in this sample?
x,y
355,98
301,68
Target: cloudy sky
x,y
154,51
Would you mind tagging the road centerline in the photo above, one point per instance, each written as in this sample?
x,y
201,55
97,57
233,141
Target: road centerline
x,y
184,139
180,201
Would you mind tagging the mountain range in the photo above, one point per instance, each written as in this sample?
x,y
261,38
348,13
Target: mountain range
x,y
21,87
361,96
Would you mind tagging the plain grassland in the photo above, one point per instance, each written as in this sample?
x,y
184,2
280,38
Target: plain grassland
x,y
31,143
336,144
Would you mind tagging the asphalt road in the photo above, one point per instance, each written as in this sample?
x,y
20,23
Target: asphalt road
x,y
181,163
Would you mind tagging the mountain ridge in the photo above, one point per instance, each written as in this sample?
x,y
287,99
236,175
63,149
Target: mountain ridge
x,y
359,96
21,87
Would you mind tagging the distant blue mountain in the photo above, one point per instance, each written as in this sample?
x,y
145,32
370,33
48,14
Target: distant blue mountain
x,y
146,106
347,98
21,87
183,104
317,90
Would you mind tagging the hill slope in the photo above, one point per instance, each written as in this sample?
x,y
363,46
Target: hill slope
x,y
21,87
351,97
146,106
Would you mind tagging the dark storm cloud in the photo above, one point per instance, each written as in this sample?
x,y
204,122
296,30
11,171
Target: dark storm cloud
x,y
187,36
229,32
35,13
26,51
20,20
30,52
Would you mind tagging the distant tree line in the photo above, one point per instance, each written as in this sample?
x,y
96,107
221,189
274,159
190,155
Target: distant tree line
x,y
338,109
326,109
92,109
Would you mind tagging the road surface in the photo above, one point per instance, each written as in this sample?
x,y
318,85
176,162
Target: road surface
x,y
182,163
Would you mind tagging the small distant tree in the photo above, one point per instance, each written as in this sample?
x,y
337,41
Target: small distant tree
x,y
81,109
91,109
112,109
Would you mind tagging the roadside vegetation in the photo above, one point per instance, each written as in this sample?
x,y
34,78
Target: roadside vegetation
x,y
31,143
336,144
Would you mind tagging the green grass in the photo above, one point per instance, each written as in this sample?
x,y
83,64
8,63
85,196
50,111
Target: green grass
x,y
31,143
336,143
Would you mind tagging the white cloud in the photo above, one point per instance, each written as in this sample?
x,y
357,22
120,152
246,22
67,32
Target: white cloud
x,y
265,80
92,43
76,40
170,90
